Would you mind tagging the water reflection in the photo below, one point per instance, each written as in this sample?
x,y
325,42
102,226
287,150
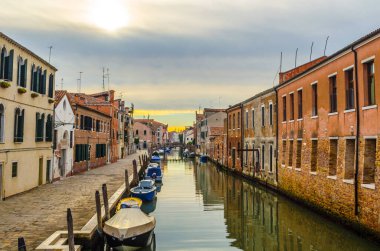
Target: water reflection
x,y
257,219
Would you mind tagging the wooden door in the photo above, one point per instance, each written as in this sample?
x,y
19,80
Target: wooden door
x,y
40,171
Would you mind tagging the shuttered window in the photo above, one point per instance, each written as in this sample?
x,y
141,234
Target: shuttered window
x,y
19,125
100,150
51,86
40,121
49,129
81,152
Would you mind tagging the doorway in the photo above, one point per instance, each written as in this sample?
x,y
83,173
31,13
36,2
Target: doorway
x,y
40,171
48,171
233,157
62,163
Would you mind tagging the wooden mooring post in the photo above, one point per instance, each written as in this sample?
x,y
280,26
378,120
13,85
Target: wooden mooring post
x,y
105,201
135,174
99,212
21,244
70,230
140,160
127,188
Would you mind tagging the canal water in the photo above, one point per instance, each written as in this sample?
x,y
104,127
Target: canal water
x,y
202,208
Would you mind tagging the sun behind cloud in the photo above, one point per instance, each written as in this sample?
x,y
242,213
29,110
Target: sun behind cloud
x,y
110,15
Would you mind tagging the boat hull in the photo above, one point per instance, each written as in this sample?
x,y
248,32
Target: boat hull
x,y
141,240
148,196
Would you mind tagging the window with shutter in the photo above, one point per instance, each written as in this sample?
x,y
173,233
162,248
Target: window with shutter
x,y
51,85
2,62
2,124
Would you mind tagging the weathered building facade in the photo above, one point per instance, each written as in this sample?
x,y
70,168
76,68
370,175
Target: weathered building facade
x,y
64,120
92,142
329,131
259,133
26,118
234,137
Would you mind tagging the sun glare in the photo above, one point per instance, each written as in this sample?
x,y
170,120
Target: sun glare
x,y
110,15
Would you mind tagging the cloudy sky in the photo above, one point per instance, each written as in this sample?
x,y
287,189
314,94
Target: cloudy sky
x,y
170,57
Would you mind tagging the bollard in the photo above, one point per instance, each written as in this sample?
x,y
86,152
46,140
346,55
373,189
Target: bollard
x,y
21,244
140,159
127,188
99,212
135,174
105,202
70,230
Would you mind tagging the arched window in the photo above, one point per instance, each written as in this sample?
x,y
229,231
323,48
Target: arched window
x,y
49,129
6,64
19,125
137,132
51,86
22,72
2,124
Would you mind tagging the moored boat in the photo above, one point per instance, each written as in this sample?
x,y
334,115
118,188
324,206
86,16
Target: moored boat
x,y
129,227
146,190
154,172
128,203
155,159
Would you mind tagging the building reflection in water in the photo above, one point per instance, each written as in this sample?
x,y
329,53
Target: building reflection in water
x,y
258,219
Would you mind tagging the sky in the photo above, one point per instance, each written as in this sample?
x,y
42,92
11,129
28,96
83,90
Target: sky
x,y
171,58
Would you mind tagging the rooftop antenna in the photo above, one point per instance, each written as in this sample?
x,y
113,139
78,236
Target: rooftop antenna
x,y
281,62
78,85
295,61
80,81
61,83
311,50
104,87
324,52
50,47
108,78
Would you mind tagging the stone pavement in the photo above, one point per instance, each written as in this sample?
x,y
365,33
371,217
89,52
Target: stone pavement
x,y
38,213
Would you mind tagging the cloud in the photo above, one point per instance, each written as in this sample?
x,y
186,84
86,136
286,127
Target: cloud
x,y
179,55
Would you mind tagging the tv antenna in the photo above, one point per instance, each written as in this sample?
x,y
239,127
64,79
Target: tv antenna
x,y
61,83
311,50
80,81
50,47
295,60
324,52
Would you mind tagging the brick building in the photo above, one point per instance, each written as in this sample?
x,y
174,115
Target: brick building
x,y
92,142
328,133
260,128
110,106
234,137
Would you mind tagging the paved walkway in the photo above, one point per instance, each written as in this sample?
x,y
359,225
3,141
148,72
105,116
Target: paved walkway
x,y
38,213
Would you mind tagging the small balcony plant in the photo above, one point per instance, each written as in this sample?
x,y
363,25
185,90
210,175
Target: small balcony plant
x,y
34,94
21,90
5,84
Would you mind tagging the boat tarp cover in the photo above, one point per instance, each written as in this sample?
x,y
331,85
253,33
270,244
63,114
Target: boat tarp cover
x,y
152,170
129,222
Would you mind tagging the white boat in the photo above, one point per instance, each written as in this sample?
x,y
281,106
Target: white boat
x,y
129,227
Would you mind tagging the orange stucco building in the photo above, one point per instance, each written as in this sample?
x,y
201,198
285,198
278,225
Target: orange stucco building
x,y
328,122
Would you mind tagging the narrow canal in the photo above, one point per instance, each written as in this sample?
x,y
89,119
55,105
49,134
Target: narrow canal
x,y
202,208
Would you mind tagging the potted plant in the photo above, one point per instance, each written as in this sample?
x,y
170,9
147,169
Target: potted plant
x,y
5,84
21,90
34,94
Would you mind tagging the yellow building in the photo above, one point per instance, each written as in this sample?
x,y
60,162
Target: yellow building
x,y
26,118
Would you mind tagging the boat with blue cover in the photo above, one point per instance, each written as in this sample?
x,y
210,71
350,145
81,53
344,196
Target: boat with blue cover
x,y
203,159
154,172
146,190
155,159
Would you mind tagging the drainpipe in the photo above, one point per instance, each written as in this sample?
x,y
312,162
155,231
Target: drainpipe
x,y
242,136
228,146
276,107
357,132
